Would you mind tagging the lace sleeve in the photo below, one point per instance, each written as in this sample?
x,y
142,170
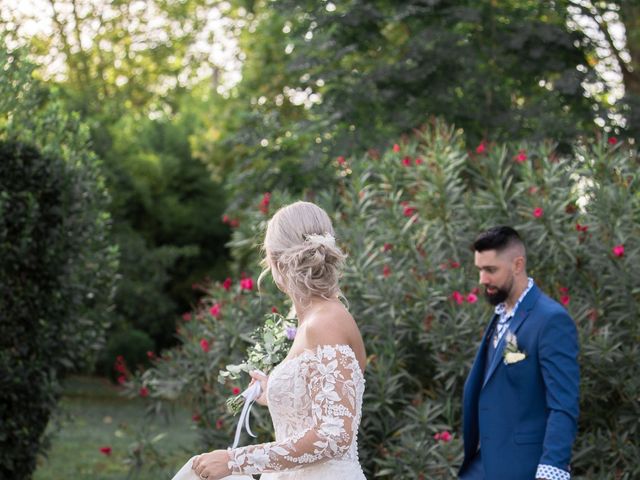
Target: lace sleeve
x,y
332,378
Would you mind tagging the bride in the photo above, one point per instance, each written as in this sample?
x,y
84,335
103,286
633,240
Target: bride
x,y
315,395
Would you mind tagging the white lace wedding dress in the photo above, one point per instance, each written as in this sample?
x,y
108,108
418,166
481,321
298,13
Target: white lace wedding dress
x,y
315,402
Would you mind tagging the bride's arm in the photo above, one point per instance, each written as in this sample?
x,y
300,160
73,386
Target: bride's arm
x,y
332,377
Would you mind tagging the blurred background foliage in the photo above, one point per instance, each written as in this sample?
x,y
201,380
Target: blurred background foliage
x,y
196,109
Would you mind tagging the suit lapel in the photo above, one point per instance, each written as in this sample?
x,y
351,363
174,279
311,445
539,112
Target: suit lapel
x,y
527,304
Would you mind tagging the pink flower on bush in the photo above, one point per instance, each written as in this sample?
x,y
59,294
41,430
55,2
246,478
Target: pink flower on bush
x,y
482,148
406,161
472,298
122,379
225,218
341,160
236,390
612,140
215,310
205,345
186,316
150,355
618,250
144,392
120,367
521,157
396,148
219,424
195,417
443,436
538,212
274,310
386,271
105,450
419,161
246,284
454,264
564,300
227,283
386,247
457,297
235,223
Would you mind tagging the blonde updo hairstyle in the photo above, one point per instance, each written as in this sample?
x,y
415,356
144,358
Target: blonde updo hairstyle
x,y
301,253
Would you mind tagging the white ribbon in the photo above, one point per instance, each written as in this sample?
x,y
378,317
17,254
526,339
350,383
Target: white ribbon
x,y
250,395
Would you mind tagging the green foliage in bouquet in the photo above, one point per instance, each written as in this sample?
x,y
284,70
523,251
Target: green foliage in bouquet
x,y
271,343
407,217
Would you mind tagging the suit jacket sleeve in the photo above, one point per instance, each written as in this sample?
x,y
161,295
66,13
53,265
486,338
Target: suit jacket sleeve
x,y
558,354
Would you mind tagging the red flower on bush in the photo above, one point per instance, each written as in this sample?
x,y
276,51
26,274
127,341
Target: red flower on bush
x,y
219,424
235,223
120,367
564,290
150,355
581,228
236,390
443,437
215,310
122,379
409,211
274,310
457,297
472,298
227,283
419,161
538,212
386,247
225,218
612,140
264,203
195,417
386,271
204,345
341,160
618,250
396,148
105,450
246,284
186,316
564,300
521,157
406,161
454,264
144,392
482,148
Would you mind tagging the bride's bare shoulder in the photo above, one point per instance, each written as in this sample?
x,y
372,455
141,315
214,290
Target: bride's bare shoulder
x,y
331,325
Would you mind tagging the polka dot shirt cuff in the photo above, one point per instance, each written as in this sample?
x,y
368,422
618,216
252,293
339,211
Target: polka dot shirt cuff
x,y
549,472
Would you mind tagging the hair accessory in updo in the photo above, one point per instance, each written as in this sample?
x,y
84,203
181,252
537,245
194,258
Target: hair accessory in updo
x,y
327,239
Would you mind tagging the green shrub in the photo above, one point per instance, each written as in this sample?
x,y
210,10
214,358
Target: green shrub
x,y
407,217
133,349
56,262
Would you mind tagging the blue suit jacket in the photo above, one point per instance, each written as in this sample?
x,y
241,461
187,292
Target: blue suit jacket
x,y
525,413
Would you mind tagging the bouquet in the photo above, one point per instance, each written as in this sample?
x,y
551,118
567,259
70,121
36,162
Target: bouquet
x,y
271,343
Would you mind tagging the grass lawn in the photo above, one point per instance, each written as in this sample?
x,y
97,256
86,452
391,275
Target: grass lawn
x,y
95,416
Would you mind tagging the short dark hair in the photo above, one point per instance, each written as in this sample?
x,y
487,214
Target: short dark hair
x,y
497,238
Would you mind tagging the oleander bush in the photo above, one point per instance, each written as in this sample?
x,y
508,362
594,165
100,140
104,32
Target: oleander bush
x,y
407,217
57,265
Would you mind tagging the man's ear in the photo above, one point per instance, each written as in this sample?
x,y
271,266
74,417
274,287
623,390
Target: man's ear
x,y
519,264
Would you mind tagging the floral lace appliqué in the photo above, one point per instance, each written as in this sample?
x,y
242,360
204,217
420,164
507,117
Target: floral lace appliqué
x,y
315,401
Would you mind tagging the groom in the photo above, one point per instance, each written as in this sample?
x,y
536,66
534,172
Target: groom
x,y
520,404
